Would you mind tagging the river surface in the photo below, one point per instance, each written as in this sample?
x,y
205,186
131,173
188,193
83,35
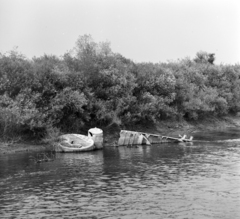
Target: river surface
x,y
197,180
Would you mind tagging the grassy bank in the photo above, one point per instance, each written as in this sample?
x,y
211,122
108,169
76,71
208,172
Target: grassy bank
x,y
111,133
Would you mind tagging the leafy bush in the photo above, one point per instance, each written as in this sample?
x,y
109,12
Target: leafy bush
x,y
91,85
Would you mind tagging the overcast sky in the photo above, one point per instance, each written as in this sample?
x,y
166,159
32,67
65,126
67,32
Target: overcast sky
x,y
142,30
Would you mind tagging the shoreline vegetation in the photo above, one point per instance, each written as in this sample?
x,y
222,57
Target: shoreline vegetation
x,y
111,135
90,85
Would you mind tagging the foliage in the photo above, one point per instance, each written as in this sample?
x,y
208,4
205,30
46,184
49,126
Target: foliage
x,y
204,57
90,84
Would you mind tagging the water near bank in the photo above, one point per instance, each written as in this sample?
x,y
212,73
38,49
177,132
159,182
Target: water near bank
x,y
198,180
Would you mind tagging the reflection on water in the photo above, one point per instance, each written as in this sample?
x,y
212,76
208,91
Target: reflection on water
x,y
198,180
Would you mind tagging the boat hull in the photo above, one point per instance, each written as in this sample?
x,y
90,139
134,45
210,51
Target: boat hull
x,y
74,143
140,138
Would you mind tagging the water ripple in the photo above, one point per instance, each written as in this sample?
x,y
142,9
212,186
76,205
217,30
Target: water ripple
x,y
161,181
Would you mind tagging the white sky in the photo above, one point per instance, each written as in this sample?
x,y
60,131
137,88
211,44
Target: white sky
x,y
142,30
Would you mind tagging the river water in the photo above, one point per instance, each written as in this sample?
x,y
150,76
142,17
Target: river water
x,y
197,180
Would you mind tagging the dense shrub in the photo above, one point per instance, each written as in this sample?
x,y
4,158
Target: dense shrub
x,y
93,85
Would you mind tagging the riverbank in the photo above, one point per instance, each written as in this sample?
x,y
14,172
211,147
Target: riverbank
x,y
176,128
20,147
111,134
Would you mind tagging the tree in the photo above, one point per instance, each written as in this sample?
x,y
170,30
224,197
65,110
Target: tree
x,y
211,58
204,57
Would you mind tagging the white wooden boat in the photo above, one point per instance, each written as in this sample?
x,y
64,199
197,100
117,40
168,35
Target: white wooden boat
x,y
132,138
74,143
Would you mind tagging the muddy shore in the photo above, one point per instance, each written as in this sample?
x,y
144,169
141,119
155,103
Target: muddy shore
x,y
111,134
